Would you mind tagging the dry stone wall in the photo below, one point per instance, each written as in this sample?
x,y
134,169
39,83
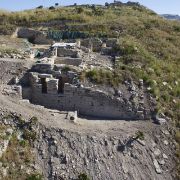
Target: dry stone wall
x,y
84,100
62,52
68,61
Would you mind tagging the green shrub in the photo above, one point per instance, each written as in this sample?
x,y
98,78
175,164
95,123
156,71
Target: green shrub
x,y
83,176
101,76
29,135
23,143
35,176
139,135
34,120
176,28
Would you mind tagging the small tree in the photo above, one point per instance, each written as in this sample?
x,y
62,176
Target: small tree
x,y
106,4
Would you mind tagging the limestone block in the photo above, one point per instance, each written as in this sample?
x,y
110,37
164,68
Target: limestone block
x,y
57,74
44,75
42,68
38,87
52,86
68,61
64,52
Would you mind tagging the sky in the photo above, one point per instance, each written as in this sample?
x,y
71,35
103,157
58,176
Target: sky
x,y
159,6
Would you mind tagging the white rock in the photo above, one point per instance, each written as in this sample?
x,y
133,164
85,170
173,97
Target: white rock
x,y
141,142
157,152
154,144
174,101
166,142
157,167
161,162
164,83
165,156
166,132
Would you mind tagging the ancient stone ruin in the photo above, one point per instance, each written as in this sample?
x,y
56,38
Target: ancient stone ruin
x,y
51,83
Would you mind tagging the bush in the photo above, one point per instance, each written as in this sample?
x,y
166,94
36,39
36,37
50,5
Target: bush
x,y
34,120
83,176
79,10
40,7
139,135
35,176
65,69
23,143
29,135
176,28
98,12
51,8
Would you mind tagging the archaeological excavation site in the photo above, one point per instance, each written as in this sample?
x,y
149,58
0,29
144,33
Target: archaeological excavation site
x,y
88,93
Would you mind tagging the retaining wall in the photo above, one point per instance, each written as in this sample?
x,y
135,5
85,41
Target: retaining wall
x,y
68,61
84,100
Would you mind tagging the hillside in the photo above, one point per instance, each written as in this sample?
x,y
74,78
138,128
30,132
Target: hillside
x,y
148,44
148,47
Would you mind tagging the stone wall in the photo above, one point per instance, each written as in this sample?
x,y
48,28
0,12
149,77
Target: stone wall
x,y
68,61
43,68
63,52
84,100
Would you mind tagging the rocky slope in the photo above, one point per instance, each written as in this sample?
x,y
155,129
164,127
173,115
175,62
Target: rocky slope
x,y
100,149
149,49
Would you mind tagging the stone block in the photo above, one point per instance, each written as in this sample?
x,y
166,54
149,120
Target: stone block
x,y
44,75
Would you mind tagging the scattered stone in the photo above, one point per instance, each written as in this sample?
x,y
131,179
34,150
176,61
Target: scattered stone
x,y
141,82
159,120
141,142
154,82
24,101
9,131
157,152
174,101
157,167
166,142
4,171
166,132
170,87
161,162
125,169
72,116
164,83
165,156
